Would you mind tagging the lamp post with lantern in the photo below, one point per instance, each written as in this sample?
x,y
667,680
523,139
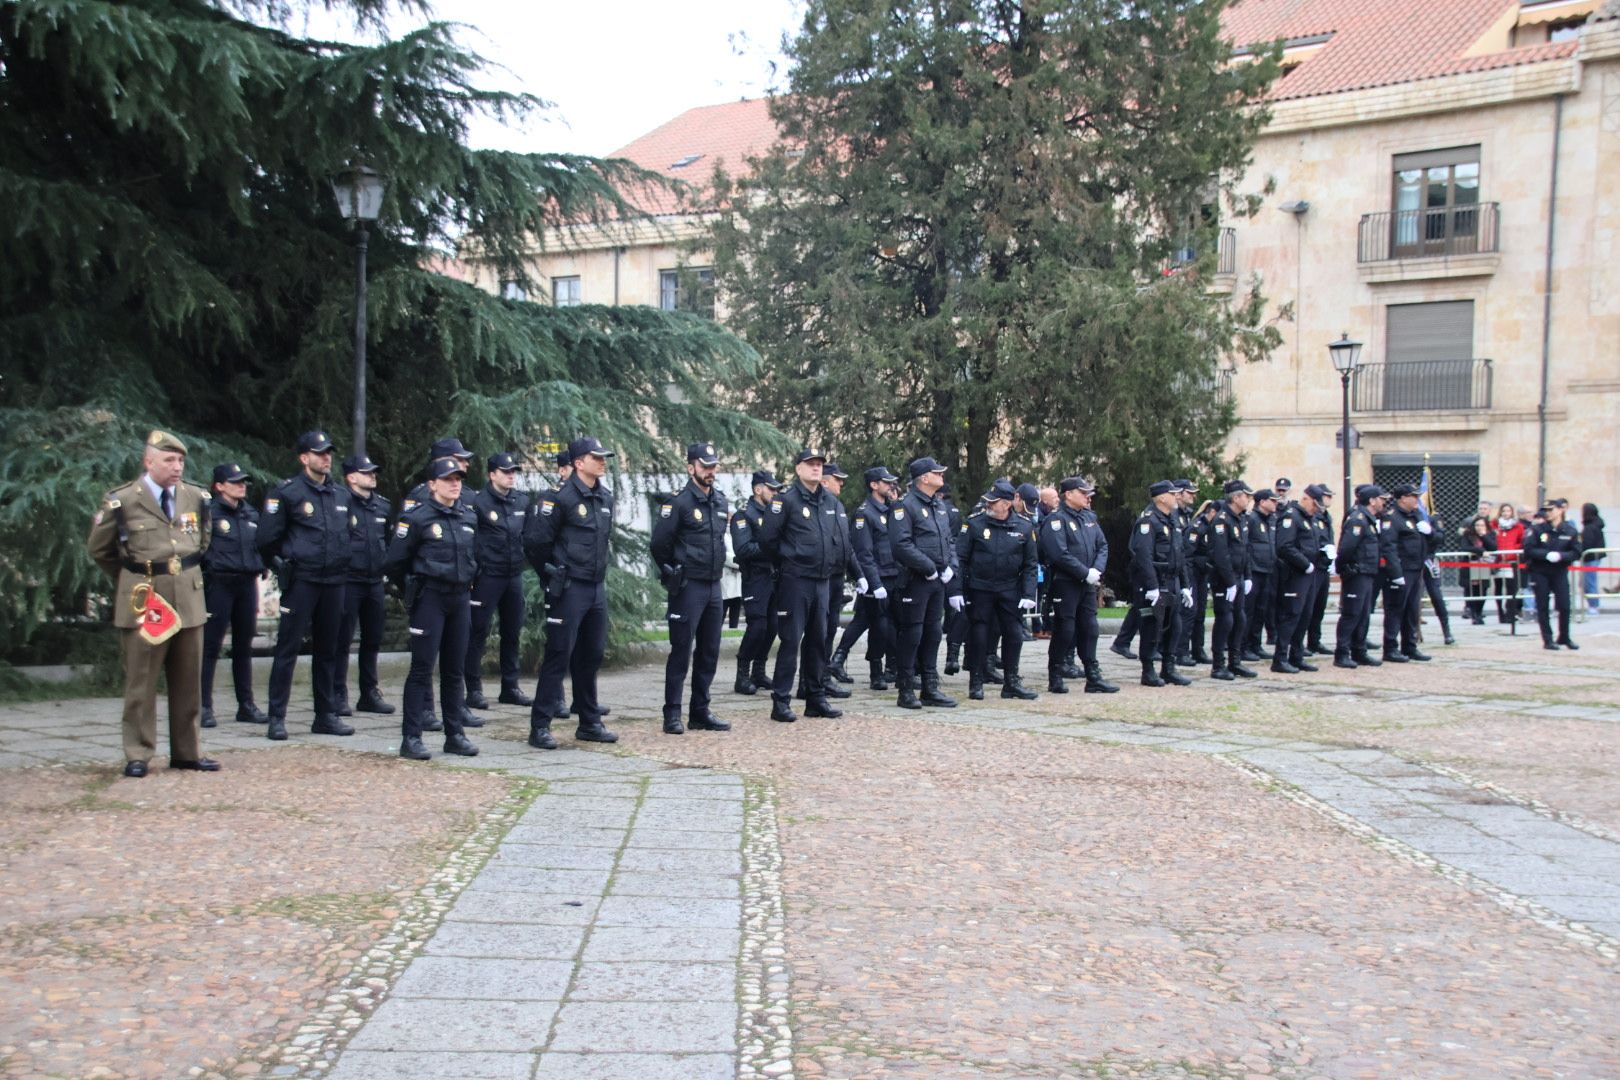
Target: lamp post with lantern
x,y
359,194
1346,356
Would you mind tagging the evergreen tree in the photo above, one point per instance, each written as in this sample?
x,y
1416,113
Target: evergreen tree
x,y
957,246
175,258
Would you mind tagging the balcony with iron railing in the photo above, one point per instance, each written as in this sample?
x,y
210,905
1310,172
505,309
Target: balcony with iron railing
x,y
1451,241
1225,269
1422,386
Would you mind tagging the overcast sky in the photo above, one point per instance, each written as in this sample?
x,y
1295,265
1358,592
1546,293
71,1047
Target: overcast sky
x,y
614,69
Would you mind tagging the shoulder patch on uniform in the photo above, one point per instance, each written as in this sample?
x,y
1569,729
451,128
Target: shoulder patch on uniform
x,y
1288,523
546,507
1146,527
112,503
665,510
741,522
860,523
402,528
273,506
408,505
899,512
776,506
1355,530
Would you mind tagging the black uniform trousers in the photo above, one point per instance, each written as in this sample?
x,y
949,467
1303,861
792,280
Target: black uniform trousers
x,y
956,626
1128,627
1226,635
1355,615
1402,607
918,627
439,623
992,612
316,608
1318,609
492,595
1256,610
1437,598
1296,591
1555,585
1191,630
801,621
233,604
1158,621
576,638
363,608
1074,623
696,615
758,592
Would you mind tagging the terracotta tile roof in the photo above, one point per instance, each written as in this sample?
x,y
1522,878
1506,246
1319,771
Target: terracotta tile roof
x,y
1379,42
710,135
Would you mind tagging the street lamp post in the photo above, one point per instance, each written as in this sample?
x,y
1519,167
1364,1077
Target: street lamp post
x,y
1346,356
359,195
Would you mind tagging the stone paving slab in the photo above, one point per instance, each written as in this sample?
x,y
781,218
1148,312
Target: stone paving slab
x,y
455,1025
636,1067
644,980
475,1065
551,909
496,979
647,1026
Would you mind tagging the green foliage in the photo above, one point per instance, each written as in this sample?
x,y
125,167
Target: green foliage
x,y
175,258
956,248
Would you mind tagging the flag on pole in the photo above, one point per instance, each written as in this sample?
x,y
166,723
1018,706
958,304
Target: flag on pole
x,y
1425,489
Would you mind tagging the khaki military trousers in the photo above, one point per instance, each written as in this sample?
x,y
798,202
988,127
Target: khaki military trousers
x,y
181,659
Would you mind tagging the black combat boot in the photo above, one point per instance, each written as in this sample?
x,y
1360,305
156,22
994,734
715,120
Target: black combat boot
x,y
704,720
248,713
976,686
1095,683
540,736
1239,670
208,717
672,722
953,653
459,745
908,693
1013,687
371,701
1054,681
835,666
758,676
782,712
328,724
512,695
879,680
593,730
1149,676
413,750
1222,673
931,695
992,671
475,695
1167,672
744,684
822,707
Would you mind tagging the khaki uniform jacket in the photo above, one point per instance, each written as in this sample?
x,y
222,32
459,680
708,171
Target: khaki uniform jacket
x,y
152,536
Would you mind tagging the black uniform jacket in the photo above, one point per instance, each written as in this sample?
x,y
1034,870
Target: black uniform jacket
x,y
808,532
571,528
690,532
436,545
1158,552
922,536
502,522
998,556
307,524
1071,542
368,536
233,548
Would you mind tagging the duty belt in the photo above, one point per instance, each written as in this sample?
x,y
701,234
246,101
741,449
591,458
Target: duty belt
x,y
164,566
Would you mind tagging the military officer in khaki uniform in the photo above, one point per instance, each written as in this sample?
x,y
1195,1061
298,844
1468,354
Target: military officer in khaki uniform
x,y
149,537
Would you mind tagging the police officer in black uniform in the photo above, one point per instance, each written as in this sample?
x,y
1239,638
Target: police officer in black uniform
x,y
306,526
567,544
995,549
363,590
1358,556
1298,569
1403,598
832,478
1262,522
923,538
758,583
449,446
231,567
1322,522
1075,551
689,549
1227,544
1159,576
435,543
808,533
1190,619
502,513
869,539
1551,548
957,623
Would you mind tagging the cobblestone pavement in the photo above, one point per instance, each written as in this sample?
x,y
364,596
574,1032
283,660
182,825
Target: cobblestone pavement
x,y
1407,872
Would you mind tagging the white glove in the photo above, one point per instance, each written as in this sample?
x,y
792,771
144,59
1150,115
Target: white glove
x,y
880,593
1026,605
1310,568
1152,596
1186,598
1553,556
1331,551
860,586
1248,586
1425,528
932,577
956,602
945,575
1093,576
1231,594
1399,583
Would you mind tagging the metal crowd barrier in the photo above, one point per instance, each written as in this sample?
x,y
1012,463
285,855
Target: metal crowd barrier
x,y
1485,570
1588,589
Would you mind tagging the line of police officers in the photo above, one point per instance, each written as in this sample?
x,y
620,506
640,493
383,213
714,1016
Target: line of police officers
x,y
459,561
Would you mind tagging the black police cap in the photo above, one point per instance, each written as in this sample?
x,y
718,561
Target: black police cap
x,y
1076,483
1318,491
809,453
1161,487
880,474
834,470
1401,491
314,442
1029,493
503,461
358,463
1001,491
587,446
766,477
1236,487
446,467
450,447
703,453
229,474
925,465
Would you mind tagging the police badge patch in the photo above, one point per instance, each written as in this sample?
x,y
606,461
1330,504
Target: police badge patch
x,y
546,507
986,533
805,510
402,528
493,516
435,531
776,506
665,510
308,509
860,523
697,514
1145,527
582,511
273,506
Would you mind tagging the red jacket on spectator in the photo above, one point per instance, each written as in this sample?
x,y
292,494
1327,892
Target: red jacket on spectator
x,y
1510,538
